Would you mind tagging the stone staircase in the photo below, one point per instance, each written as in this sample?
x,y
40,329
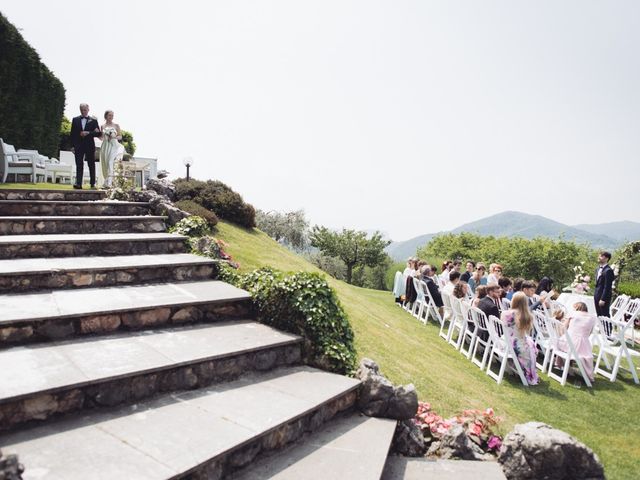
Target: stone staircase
x,y
122,358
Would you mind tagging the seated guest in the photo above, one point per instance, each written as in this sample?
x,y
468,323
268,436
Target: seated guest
x,y
430,277
495,272
411,267
490,304
529,289
470,267
478,277
460,289
456,265
517,287
446,270
505,285
520,319
481,292
454,278
579,326
545,286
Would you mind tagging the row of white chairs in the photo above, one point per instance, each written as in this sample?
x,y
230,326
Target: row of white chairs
x,y
470,331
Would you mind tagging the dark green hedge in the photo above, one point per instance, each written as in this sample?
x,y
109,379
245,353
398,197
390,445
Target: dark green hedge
x,y
31,98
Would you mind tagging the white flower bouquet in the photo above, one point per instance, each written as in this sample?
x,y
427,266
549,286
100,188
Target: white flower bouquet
x,y
110,132
580,282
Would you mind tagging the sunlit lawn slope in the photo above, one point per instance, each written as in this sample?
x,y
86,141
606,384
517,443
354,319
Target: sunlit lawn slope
x,y
607,418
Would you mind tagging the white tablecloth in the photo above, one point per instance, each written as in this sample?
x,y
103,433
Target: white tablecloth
x,y
568,299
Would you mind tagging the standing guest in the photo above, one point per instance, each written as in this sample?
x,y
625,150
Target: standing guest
x,y
545,286
83,130
520,319
470,267
478,277
454,278
579,326
495,272
604,284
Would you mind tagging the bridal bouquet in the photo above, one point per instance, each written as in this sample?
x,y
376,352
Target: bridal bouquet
x,y
110,132
580,282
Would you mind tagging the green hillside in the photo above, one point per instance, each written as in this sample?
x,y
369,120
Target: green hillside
x,y
605,418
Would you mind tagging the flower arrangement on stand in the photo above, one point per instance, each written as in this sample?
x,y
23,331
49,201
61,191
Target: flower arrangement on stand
x,y
580,284
480,426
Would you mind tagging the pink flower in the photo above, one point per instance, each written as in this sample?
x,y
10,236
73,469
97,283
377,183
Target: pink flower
x,y
494,442
587,278
488,411
476,429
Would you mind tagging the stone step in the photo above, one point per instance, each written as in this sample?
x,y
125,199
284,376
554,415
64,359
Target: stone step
x,y
405,468
201,434
62,377
80,224
29,274
57,314
72,195
353,447
70,208
82,245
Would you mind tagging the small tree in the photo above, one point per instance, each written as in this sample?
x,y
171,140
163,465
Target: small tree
x,y
351,246
288,228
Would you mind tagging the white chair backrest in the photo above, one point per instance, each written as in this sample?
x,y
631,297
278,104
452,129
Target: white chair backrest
x,y
456,306
446,300
496,329
479,318
618,305
631,311
419,291
540,324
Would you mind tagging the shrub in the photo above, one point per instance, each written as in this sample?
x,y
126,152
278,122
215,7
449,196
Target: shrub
x,y
218,197
32,97
196,209
192,226
629,288
304,304
213,248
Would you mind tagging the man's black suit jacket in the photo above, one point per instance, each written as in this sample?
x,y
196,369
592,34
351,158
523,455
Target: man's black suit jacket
x,y
488,306
604,285
84,144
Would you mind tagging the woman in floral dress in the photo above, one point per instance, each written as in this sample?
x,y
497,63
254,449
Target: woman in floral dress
x,y
520,321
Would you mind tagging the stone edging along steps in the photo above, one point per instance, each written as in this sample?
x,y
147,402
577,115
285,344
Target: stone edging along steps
x,y
117,344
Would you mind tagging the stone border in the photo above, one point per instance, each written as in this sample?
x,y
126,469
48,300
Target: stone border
x,y
52,225
137,386
26,331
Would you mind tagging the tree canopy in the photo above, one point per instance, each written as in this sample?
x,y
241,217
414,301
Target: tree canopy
x,y
352,247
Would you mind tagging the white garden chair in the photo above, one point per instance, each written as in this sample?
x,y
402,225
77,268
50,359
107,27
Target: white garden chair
x,y
432,308
557,334
482,337
502,349
418,306
399,286
470,331
613,343
542,338
448,316
458,322
618,306
20,163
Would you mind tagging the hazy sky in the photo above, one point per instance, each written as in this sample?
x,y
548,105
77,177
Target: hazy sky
x,y
405,116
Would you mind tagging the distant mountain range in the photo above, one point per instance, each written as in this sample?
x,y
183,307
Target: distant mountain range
x,y
517,224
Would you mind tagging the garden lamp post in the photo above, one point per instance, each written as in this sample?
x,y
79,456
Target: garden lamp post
x,y
188,161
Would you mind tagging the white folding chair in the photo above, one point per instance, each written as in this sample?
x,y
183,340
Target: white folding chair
x,y
470,331
557,334
482,337
418,305
502,349
618,305
458,322
542,339
432,308
448,316
613,343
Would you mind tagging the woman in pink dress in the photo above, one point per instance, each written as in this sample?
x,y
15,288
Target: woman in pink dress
x,y
579,326
520,321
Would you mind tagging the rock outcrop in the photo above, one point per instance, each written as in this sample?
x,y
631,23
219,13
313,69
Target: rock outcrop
x,y
535,450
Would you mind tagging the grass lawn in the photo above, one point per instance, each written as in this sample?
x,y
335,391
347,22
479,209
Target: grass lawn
x,y
606,418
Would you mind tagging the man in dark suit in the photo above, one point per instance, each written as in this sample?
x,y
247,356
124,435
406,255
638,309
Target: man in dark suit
x,y
490,304
83,130
604,285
